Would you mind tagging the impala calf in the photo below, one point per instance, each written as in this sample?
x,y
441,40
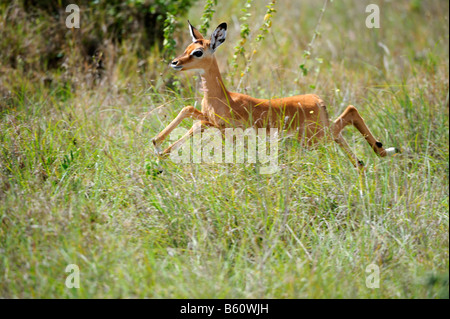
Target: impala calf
x,y
304,116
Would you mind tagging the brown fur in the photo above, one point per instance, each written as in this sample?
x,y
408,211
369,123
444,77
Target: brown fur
x,y
304,116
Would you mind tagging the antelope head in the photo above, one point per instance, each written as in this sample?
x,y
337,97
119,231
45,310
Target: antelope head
x,y
200,53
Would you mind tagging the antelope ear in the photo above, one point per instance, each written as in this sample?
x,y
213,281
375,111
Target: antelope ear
x,y
194,33
218,36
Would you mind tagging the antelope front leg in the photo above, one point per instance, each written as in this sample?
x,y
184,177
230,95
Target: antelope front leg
x,y
188,111
199,126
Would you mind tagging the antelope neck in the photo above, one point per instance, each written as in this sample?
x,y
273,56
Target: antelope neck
x,y
213,86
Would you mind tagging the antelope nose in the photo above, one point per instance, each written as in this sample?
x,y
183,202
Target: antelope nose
x,y
174,62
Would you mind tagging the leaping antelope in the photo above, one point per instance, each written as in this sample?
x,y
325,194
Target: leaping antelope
x,y
306,115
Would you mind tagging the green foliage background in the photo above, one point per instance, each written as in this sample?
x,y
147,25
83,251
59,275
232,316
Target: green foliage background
x,y
78,182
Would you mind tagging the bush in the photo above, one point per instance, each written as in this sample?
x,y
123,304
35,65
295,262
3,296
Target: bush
x,y
142,22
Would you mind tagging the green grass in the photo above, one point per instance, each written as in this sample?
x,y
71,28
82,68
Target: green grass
x,y
78,183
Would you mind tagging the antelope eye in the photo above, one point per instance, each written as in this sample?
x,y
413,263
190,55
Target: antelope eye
x,y
197,53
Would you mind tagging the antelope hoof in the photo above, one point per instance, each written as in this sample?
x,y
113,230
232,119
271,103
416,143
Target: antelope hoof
x,y
157,149
391,151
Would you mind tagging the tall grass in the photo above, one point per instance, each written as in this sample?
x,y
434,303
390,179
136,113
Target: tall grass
x,y
78,182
